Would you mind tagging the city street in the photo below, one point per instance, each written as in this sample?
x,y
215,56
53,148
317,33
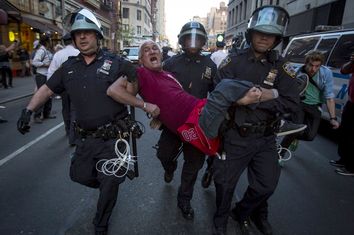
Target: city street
x,y
37,196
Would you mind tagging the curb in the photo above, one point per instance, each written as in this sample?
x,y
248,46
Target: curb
x,y
15,98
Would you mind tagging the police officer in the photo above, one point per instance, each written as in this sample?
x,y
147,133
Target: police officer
x,y
250,140
86,78
165,51
196,73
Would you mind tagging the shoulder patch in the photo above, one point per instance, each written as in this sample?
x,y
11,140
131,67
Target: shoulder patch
x,y
224,62
289,69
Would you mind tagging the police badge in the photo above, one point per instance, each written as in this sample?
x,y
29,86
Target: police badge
x,y
105,67
271,77
207,73
289,69
224,62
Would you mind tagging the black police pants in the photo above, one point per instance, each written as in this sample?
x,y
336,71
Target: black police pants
x,y
309,115
346,137
47,107
259,156
6,70
169,144
83,170
68,113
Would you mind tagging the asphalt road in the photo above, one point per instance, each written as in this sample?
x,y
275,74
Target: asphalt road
x,y
37,196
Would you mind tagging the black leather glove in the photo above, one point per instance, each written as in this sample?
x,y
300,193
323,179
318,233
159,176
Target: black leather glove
x,y
23,122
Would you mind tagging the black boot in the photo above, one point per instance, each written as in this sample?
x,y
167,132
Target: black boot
x,y
244,225
262,224
168,177
186,209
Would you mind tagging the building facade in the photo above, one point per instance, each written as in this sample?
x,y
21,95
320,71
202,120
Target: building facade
x,y
161,23
305,15
28,20
136,21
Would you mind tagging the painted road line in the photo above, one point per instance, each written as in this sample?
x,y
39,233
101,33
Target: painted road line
x,y
23,148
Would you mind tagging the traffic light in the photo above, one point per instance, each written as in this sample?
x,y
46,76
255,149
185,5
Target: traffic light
x,y
220,37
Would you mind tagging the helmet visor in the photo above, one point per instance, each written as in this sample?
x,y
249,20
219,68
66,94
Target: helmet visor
x,y
193,39
272,20
81,14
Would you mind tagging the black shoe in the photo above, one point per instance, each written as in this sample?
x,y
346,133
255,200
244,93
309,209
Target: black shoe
x,y
262,224
207,177
101,232
187,210
219,231
2,120
168,177
345,172
49,117
38,120
337,163
245,225
288,128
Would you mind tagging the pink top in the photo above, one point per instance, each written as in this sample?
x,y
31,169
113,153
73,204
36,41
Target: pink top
x,y
162,89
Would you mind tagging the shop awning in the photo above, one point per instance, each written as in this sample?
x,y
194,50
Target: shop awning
x,y
41,26
34,24
54,28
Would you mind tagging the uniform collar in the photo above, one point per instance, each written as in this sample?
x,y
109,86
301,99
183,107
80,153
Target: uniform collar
x,y
251,57
192,58
99,56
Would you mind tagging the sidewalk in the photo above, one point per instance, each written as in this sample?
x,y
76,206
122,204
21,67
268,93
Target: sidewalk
x,y
22,87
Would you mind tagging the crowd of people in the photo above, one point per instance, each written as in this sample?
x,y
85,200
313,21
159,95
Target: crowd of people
x,y
238,99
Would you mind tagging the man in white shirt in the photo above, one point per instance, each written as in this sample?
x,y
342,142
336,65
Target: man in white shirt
x,y
219,54
67,110
41,61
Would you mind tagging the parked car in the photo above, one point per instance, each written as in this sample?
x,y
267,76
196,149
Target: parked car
x,y
131,53
337,47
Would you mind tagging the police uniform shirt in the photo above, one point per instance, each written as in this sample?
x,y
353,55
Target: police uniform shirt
x,y
268,71
87,85
196,74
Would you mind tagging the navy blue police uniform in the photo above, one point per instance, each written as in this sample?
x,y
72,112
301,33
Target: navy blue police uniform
x,y
249,142
86,85
196,74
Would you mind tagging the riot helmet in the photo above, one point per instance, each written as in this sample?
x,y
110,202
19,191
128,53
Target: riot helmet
x,y
271,20
192,36
82,19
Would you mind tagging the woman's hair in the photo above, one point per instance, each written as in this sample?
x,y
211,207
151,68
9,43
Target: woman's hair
x,y
314,56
